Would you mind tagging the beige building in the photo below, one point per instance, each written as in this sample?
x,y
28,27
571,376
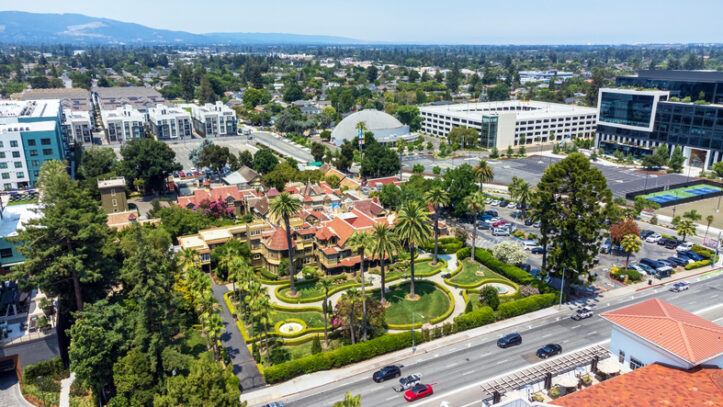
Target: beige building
x,y
113,195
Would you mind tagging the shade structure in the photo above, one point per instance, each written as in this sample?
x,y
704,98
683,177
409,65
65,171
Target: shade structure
x,y
566,380
608,366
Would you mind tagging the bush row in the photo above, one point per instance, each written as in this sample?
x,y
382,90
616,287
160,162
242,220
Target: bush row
x,y
290,300
340,357
704,252
515,274
447,245
697,264
478,317
525,305
619,274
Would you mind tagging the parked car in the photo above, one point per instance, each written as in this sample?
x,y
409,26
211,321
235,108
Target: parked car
x,y
685,246
386,373
494,202
509,340
500,223
529,222
680,286
651,263
526,267
582,313
549,350
653,238
501,231
519,205
666,263
605,248
536,224
511,205
639,269
677,261
671,244
662,241
537,250
645,233
648,270
503,203
691,255
419,391
491,213
484,226
485,217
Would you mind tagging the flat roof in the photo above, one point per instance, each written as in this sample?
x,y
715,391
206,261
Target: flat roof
x,y
521,109
14,218
684,76
28,126
114,182
30,108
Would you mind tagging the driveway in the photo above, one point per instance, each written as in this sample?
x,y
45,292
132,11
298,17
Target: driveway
x,y
10,391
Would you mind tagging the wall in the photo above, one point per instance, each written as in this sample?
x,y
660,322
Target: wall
x,y
643,351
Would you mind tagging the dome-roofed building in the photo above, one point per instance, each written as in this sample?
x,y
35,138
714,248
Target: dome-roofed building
x,y
386,128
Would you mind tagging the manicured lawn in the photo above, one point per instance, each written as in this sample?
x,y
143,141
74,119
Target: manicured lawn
x,y
474,299
309,290
433,303
424,267
192,343
468,275
311,318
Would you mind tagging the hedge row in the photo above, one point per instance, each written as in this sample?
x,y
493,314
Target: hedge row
x,y
447,245
525,305
478,317
704,252
290,300
697,264
515,274
340,357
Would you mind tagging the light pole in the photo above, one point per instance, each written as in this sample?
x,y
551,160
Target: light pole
x,y
413,348
562,286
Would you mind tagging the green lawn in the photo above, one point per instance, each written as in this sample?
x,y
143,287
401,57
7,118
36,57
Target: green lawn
x,y
474,299
468,275
433,303
311,318
192,343
424,267
309,290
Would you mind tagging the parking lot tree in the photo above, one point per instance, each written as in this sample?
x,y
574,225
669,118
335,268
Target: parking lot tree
x,y
494,153
677,159
317,151
708,219
510,152
631,244
521,151
412,228
214,157
509,252
195,154
573,204
693,215
264,161
685,228
625,228
484,173
464,136
150,160
459,182
418,168
409,115
285,206
436,170
520,190
474,203
640,204
438,198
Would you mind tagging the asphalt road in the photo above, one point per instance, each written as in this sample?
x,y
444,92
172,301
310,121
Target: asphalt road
x,y
282,145
457,370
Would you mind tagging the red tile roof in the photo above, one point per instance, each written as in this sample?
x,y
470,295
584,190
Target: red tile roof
x,y
342,229
653,385
277,240
350,261
272,192
679,332
372,183
324,233
214,194
330,251
369,206
361,221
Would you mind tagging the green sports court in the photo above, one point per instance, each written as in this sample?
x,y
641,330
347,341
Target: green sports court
x,y
675,194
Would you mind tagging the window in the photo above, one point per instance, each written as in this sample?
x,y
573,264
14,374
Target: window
x,y
6,175
45,141
8,186
20,174
16,154
33,153
18,164
115,202
31,142
257,256
47,151
635,364
1,144
3,165
35,163
621,357
2,154
5,253
13,143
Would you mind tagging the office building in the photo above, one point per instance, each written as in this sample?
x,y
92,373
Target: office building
x,y
214,120
30,134
386,128
682,108
543,76
78,126
169,123
511,123
123,124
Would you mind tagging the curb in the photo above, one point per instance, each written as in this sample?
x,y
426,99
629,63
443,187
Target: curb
x,y
678,279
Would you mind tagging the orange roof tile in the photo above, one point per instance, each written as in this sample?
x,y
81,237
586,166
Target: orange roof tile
x,y
679,332
652,385
277,240
372,183
342,229
214,194
350,261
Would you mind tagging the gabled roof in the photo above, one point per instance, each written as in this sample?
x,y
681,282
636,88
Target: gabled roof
x,y
369,207
652,385
677,331
272,193
372,183
277,240
214,194
341,228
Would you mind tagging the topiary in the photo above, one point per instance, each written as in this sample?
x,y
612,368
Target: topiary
x,y
315,345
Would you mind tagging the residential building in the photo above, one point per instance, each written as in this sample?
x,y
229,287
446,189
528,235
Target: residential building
x,y
113,195
675,108
75,99
512,123
141,98
12,220
244,178
214,120
123,124
78,126
169,123
122,220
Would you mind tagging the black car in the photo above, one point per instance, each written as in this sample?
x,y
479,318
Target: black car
x,y
645,233
677,261
484,226
492,213
665,262
551,349
509,340
529,222
386,373
671,244
519,205
662,241
503,203
537,250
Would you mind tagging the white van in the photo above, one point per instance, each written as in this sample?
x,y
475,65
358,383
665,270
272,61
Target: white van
x,y
684,247
529,244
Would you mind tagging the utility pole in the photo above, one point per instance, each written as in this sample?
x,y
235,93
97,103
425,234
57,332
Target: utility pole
x,y
562,286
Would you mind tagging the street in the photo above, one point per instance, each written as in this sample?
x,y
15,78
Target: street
x,y
457,370
282,146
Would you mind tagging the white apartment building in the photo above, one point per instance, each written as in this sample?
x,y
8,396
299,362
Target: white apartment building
x,y
512,123
78,126
169,122
13,168
123,124
214,120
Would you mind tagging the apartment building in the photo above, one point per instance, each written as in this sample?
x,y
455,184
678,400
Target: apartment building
x,y
78,126
141,98
214,120
123,124
169,122
512,123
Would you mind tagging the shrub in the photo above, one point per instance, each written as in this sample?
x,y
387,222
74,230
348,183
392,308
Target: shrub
x,y
339,357
267,275
490,296
619,274
461,234
528,290
515,274
463,253
525,305
703,252
518,233
52,368
478,317
697,264
654,220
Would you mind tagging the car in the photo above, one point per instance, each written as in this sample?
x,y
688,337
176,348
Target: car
x,y
484,226
519,205
666,262
662,241
645,233
551,349
528,222
685,246
274,404
419,391
500,223
605,248
511,205
680,286
526,267
691,255
485,217
491,213
504,203
582,313
536,224
651,263
386,373
677,261
537,250
529,244
510,340
671,244
535,272
501,231
494,202
639,269
406,383
653,238
193,169
648,270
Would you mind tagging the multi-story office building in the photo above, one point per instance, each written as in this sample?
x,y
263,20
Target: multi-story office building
x,y
30,134
78,126
123,124
512,123
636,121
214,120
169,123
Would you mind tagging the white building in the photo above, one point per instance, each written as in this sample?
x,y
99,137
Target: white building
x,y
543,76
13,169
169,123
123,124
78,126
512,123
214,120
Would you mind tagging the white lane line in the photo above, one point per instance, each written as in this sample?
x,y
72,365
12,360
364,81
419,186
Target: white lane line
x,y
466,373
591,333
546,335
501,362
485,354
392,398
452,365
576,326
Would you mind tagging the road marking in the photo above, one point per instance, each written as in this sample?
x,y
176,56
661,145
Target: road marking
x,y
576,326
391,398
501,362
546,335
466,373
452,365
591,333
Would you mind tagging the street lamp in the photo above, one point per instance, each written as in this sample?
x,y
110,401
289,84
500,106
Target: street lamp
x,y
422,316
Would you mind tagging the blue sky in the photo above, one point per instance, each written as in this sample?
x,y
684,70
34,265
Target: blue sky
x,y
421,21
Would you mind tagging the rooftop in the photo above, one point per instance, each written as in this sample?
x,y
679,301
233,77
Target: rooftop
x,y
14,218
692,76
113,182
49,108
522,109
28,126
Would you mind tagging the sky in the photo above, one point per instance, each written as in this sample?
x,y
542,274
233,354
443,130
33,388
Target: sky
x,y
421,21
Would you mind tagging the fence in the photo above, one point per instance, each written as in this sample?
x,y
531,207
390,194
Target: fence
x,y
632,195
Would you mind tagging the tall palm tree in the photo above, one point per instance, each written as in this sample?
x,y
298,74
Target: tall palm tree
x,y
187,258
475,203
325,284
685,228
362,241
284,206
413,228
484,173
521,191
352,296
255,292
230,254
438,198
709,220
237,272
262,312
385,244
631,244
362,126
214,330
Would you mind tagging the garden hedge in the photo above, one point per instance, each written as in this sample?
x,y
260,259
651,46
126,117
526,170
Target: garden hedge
x,y
447,245
619,274
290,300
464,253
704,252
697,264
340,357
514,273
525,305
478,317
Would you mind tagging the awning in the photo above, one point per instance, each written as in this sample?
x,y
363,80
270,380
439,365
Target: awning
x,y
608,366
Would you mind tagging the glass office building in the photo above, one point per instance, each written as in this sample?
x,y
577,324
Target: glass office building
x,y
629,109
697,85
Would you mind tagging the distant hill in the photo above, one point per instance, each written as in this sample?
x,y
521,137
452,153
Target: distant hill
x,y
17,27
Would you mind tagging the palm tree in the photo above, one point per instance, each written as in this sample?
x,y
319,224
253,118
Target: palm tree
x,y
229,256
692,215
254,293
521,191
237,271
362,241
349,401
484,173
437,197
709,220
362,127
187,258
685,228
385,244
352,296
284,206
413,228
262,312
475,203
214,329
631,244
325,284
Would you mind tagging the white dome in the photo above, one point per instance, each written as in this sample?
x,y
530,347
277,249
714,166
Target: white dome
x,y
385,127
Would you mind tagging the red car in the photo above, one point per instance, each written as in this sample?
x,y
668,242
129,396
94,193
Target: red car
x,y
500,223
419,391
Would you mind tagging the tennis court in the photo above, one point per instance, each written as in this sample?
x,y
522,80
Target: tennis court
x,y
680,193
